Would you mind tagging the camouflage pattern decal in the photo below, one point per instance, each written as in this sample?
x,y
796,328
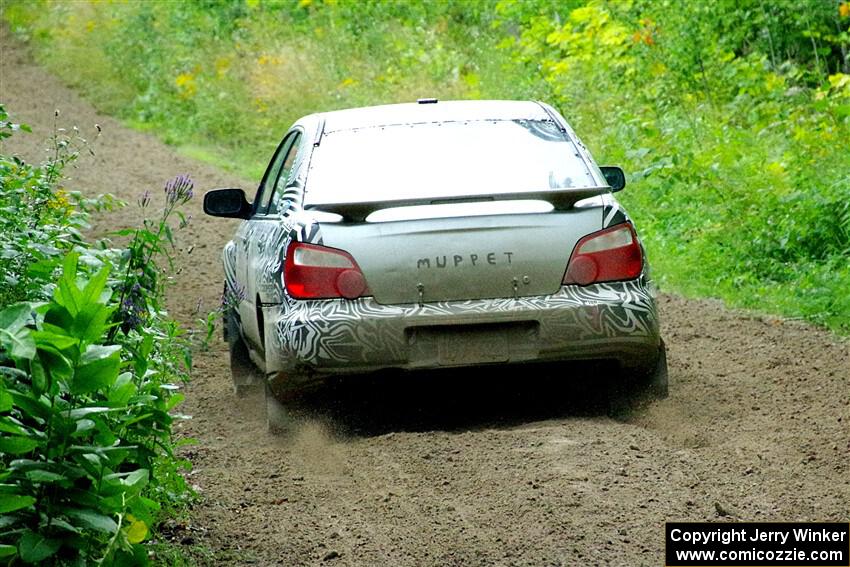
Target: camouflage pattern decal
x,y
332,333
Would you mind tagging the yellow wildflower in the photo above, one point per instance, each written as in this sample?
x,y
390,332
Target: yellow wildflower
x,y
222,64
186,85
137,530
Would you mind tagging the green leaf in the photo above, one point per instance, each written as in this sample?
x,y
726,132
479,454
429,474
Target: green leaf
x,y
12,502
14,445
40,383
14,373
43,269
7,426
57,318
90,324
149,504
136,479
122,390
20,345
62,524
56,340
98,369
14,335
84,426
95,286
91,463
174,401
137,419
33,405
41,475
91,519
35,548
55,364
5,400
9,520
15,316
25,464
7,550
81,412
85,498
67,293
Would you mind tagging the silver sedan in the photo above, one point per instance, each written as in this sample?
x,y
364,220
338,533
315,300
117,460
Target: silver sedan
x,y
428,235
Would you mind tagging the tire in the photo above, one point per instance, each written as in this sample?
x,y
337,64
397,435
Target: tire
x,y
651,385
657,383
244,374
280,418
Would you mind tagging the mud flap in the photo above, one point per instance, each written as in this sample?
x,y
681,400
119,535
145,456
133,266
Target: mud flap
x,y
244,374
628,393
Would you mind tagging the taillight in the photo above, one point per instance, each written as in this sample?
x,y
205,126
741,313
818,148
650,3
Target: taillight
x,y
608,255
317,272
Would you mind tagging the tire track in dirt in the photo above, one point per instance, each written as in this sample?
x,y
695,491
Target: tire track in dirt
x,y
488,470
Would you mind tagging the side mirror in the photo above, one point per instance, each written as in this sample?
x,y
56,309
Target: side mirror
x,y
228,203
614,176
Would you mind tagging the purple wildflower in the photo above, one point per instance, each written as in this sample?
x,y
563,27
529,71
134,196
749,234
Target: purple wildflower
x,y
179,189
232,296
130,315
145,199
132,309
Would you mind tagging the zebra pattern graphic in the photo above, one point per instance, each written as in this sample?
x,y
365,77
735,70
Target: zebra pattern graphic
x,y
337,333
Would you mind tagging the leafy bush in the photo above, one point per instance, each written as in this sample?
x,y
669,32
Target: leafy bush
x,y
742,186
70,418
89,373
39,220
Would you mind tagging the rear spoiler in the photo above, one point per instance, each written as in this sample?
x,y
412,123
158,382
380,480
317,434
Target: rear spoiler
x,y
561,199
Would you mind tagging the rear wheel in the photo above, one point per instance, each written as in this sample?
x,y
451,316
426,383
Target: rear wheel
x,y
281,418
651,385
657,385
242,371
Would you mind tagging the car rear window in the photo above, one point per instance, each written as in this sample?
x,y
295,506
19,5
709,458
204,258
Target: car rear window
x,y
443,159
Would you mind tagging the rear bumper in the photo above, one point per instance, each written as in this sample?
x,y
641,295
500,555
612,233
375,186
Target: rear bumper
x,y
310,340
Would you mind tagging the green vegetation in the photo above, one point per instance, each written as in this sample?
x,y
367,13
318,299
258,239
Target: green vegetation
x,y
731,117
90,368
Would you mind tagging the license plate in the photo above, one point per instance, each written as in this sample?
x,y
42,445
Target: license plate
x,y
472,347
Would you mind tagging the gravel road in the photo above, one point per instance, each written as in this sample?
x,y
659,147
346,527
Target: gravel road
x,y
478,468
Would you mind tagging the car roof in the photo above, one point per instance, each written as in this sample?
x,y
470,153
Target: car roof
x,y
441,111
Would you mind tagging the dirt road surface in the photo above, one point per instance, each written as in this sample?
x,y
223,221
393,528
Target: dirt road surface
x,y
477,469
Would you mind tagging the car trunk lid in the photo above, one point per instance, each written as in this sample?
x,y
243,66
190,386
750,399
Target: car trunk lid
x,y
460,258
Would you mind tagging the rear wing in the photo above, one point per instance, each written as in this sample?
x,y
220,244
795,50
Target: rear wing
x,y
561,199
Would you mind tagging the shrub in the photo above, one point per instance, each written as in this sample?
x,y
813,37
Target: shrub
x,y
89,374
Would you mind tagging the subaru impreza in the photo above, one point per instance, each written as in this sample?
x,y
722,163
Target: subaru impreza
x,y
428,235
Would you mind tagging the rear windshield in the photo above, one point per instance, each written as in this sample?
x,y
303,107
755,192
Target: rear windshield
x,y
443,159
